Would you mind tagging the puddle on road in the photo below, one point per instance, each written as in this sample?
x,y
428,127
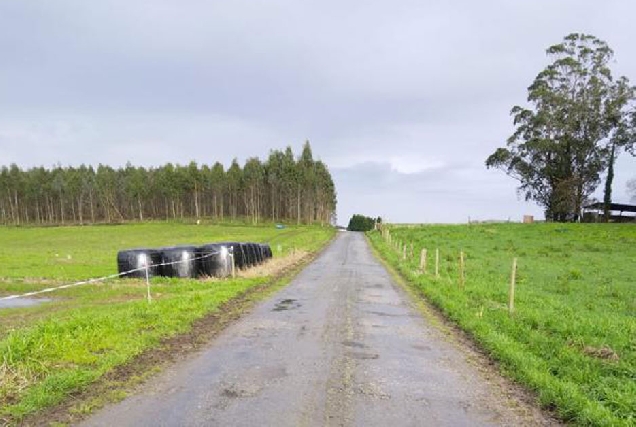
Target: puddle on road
x,y
382,313
286,304
353,344
363,356
421,347
22,302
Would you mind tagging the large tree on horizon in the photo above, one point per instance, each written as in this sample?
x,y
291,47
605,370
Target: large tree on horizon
x,y
579,121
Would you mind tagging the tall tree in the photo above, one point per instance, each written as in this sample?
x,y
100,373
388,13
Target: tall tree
x,y
579,117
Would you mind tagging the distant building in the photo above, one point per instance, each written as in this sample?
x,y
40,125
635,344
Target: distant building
x,y
619,212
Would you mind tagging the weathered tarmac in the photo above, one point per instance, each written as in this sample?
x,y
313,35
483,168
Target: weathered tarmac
x,y
340,346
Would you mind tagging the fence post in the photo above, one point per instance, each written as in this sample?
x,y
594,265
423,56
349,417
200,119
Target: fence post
x,y
511,292
423,261
233,264
148,280
462,277
404,253
437,262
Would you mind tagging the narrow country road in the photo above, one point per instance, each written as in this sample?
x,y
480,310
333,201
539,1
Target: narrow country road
x,y
340,346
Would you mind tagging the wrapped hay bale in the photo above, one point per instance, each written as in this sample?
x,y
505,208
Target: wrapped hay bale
x,y
214,260
266,250
180,261
259,253
236,249
250,255
255,253
139,259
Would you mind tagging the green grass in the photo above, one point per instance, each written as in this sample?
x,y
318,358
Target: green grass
x,y
54,349
75,253
572,337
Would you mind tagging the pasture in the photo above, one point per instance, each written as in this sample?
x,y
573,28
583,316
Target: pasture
x,y
572,335
55,349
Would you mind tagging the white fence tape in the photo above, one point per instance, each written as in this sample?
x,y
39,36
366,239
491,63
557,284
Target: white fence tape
x,y
112,276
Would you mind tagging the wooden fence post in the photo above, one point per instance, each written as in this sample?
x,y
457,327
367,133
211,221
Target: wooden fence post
x,y
437,262
511,292
423,261
462,276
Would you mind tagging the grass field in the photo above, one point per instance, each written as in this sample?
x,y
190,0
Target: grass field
x,y
59,347
572,337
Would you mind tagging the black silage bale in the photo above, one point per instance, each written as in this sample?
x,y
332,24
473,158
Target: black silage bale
x,y
246,255
259,253
133,259
180,261
237,250
214,260
250,256
266,250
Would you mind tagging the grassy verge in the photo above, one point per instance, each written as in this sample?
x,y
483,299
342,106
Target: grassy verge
x,y
572,338
59,348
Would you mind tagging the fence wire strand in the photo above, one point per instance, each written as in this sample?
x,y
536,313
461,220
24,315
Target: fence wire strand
x,y
111,276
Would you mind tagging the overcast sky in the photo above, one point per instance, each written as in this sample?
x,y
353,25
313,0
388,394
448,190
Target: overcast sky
x,y
403,100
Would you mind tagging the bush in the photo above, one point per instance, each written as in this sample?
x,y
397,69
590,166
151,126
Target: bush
x,y
362,223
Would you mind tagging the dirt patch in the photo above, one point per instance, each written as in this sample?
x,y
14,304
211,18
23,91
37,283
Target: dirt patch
x,y
123,380
604,353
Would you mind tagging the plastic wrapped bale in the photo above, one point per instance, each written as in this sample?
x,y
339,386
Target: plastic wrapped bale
x,y
247,263
180,261
250,256
138,259
266,250
259,253
214,260
237,250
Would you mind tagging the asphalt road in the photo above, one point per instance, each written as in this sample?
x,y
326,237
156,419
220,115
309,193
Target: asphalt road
x,y
340,346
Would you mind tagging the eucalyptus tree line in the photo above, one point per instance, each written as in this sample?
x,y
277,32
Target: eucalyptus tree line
x,y
281,188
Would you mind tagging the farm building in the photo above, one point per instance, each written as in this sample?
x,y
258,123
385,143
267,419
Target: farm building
x,y
619,212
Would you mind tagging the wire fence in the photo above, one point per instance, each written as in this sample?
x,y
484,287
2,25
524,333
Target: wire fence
x,y
123,273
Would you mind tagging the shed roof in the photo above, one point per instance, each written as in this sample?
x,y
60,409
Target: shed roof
x,y
613,207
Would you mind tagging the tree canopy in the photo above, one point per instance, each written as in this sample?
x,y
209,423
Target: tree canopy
x,y
362,223
581,117
282,188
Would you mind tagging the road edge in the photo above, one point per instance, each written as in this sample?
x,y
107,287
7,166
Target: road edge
x,y
490,370
125,380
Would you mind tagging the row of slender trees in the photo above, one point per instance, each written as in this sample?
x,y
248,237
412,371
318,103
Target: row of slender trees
x,y
282,188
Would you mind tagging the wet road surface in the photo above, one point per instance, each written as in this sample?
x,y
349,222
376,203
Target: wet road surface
x,y
340,346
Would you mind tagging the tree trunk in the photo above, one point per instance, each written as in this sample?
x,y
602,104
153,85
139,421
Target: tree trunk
x,y
196,201
141,215
607,197
298,206
90,196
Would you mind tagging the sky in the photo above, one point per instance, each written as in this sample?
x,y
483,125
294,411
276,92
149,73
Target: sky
x,y
403,100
